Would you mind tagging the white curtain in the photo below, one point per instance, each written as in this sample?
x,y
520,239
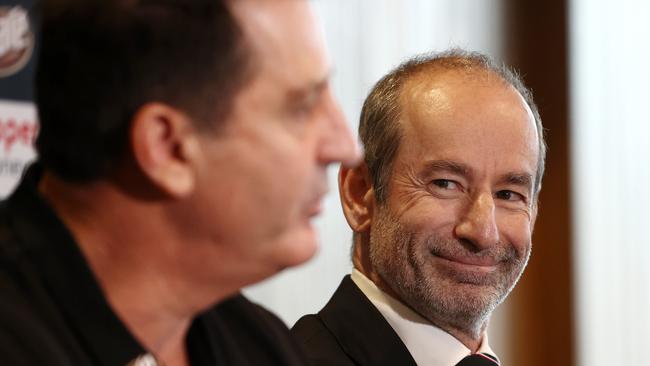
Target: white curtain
x,y
366,38
610,66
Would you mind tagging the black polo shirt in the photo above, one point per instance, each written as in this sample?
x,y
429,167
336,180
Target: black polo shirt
x,y
53,312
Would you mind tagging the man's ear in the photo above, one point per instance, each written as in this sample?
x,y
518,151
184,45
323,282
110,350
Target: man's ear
x,y
164,145
357,197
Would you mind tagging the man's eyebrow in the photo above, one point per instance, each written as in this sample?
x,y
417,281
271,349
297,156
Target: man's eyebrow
x,y
518,179
447,166
310,90
514,178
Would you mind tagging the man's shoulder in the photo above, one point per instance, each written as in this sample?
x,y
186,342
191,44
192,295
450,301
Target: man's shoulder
x,y
350,330
243,315
30,326
26,335
326,335
310,327
250,334
27,332
8,238
319,344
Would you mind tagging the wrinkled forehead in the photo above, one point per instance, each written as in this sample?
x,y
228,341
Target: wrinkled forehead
x,y
472,117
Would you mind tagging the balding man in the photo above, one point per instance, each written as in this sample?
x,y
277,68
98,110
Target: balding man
x,y
442,212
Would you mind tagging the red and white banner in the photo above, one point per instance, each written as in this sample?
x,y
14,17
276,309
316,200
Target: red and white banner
x,y
18,129
18,125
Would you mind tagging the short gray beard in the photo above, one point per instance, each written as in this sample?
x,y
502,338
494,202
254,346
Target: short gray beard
x,y
450,305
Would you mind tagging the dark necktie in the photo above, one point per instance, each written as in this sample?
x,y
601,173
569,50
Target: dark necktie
x,y
478,359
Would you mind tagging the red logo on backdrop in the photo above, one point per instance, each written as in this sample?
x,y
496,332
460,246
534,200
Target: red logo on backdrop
x,y
16,39
16,132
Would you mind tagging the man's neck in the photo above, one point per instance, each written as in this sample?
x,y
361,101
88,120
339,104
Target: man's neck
x,y
135,260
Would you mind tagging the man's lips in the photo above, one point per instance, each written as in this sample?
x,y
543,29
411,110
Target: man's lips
x,y
478,263
315,208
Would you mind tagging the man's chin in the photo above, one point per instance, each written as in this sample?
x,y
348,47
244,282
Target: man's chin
x,y
298,246
474,301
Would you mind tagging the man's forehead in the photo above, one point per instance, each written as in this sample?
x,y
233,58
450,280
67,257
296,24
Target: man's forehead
x,y
284,39
267,25
453,114
449,93
438,78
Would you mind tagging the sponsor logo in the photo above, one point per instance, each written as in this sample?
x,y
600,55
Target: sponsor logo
x,y
13,132
18,130
16,39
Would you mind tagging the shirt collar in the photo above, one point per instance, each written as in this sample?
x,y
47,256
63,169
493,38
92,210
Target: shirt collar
x,y
428,344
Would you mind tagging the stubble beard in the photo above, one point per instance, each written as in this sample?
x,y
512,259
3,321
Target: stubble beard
x,y
452,300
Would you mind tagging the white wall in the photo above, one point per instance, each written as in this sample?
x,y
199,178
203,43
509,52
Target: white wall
x,y
366,39
610,66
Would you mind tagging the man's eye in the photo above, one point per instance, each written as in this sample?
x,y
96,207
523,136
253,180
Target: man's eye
x,y
305,106
302,110
445,184
509,196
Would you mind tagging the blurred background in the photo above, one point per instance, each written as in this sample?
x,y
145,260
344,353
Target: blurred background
x,y
585,296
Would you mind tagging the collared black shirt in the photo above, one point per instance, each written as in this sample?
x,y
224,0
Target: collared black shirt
x,y
53,312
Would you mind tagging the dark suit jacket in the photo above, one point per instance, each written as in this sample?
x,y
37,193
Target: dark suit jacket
x,y
349,331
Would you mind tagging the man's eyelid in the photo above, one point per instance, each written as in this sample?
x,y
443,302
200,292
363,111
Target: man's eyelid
x,y
450,176
520,183
307,97
304,106
456,184
521,196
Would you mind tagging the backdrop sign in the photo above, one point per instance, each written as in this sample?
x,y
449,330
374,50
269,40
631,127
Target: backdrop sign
x,y
18,125
16,39
17,132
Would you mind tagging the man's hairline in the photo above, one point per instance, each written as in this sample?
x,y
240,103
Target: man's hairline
x,y
402,100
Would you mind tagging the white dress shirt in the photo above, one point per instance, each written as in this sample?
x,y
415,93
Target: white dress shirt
x,y
428,344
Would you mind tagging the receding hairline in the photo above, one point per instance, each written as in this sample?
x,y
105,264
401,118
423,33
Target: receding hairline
x,y
380,129
425,75
425,80
421,78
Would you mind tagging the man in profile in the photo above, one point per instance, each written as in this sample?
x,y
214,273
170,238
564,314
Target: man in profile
x,y
442,210
182,154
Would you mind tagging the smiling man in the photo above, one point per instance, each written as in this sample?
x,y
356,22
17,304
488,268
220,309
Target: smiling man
x,y
182,155
442,212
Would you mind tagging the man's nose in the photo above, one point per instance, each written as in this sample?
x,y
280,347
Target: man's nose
x,y
478,223
339,144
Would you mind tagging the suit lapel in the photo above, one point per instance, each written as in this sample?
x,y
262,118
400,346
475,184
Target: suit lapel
x,y
361,330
